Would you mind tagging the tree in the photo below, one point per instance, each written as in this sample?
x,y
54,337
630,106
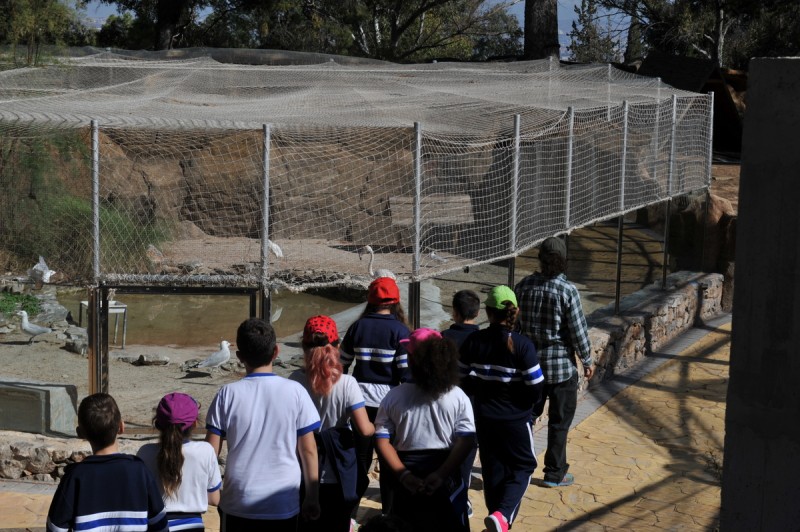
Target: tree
x,y
541,29
588,42
634,49
165,20
33,23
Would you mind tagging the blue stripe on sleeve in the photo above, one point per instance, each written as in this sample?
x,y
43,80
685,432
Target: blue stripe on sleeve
x,y
215,430
215,488
305,430
356,406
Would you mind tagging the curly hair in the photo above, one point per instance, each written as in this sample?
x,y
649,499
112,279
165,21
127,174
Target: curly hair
x,y
506,318
323,367
434,366
256,342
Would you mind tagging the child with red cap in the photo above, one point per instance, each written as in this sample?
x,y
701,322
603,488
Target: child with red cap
x,y
186,471
340,403
373,343
424,430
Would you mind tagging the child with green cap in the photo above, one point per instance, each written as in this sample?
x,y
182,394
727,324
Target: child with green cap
x,y
500,372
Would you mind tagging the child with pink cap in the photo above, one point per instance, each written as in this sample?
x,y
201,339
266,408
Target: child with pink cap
x,y
340,404
186,471
424,431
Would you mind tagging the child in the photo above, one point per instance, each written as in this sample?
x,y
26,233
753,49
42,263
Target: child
x,y
339,402
373,342
423,432
187,471
466,305
108,490
501,374
269,423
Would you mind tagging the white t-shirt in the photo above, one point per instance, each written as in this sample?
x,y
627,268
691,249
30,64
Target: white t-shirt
x,y
419,423
261,416
199,476
334,410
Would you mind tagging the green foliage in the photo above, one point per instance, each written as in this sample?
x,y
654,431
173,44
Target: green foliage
x,y
10,303
47,209
589,43
30,24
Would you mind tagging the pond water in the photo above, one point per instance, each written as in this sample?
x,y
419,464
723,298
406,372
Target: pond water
x,y
202,320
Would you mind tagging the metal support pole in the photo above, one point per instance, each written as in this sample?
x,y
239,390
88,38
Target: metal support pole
x,y
266,301
512,245
656,131
618,285
103,366
608,94
96,201
570,141
621,222
414,291
670,179
708,180
92,330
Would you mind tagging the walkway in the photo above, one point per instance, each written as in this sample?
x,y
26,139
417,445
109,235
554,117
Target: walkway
x,y
646,452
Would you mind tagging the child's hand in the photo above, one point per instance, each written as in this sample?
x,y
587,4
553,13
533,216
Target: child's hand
x,y
310,510
432,483
411,482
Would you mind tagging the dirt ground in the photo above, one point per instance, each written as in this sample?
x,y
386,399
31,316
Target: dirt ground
x,y
139,387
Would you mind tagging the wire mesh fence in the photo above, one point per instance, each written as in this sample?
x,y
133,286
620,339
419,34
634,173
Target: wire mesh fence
x,y
199,172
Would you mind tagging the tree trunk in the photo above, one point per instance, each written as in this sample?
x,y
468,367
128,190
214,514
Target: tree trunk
x,y
171,17
541,29
633,44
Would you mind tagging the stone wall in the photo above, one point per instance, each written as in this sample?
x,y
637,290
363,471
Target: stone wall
x,y
648,320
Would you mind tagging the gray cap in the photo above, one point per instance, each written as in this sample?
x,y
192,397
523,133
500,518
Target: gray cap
x,y
553,245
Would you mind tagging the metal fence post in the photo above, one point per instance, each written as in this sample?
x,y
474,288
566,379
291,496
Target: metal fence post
x,y
670,177
512,247
570,141
96,201
708,179
266,301
657,126
414,292
621,221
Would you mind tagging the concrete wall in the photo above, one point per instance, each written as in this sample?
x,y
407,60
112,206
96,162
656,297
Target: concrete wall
x,y
760,488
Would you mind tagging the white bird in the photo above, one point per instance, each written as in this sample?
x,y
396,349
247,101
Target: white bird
x,y
31,329
275,248
218,358
380,272
40,273
435,256
275,316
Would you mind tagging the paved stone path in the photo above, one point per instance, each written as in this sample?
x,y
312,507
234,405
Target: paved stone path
x,y
646,452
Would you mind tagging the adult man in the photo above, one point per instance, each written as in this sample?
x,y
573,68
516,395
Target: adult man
x,y
552,316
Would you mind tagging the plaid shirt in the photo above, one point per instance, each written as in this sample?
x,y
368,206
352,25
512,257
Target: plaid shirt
x,y
552,316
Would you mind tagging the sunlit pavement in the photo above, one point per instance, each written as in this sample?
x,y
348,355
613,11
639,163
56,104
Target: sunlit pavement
x,y
646,452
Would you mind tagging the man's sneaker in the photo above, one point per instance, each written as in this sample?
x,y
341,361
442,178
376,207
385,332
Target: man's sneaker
x,y
568,480
469,508
496,523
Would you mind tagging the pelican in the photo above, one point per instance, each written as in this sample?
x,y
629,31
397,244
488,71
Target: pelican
x,y
275,249
380,272
31,329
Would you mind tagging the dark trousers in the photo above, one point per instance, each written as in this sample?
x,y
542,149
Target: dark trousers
x,y
365,447
563,398
507,463
334,513
231,523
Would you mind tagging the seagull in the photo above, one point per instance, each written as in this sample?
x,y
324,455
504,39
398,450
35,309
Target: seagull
x,y
31,329
218,358
275,316
380,272
40,273
435,256
275,249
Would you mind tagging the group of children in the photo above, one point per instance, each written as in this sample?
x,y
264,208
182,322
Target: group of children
x,y
298,449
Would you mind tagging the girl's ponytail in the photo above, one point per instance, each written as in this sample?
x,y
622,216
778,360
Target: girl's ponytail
x,y
323,368
170,458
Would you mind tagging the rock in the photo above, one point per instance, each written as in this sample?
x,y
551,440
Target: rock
x,y
40,462
78,456
151,360
43,478
11,469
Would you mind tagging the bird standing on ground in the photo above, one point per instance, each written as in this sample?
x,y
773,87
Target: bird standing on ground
x,y
218,358
380,272
275,248
40,273
31,329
